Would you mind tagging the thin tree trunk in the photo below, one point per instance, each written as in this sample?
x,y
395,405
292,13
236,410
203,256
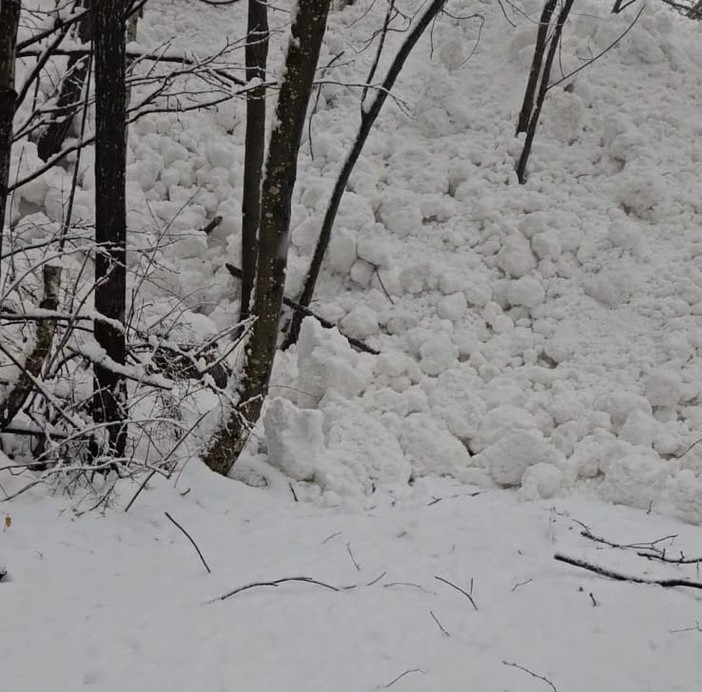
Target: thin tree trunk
x,y
110,215
274,229
543,88
256,57
34,363
69,99
535,72
368,118
9,21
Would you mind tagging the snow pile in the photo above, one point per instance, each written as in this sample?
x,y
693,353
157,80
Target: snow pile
x,y
543,336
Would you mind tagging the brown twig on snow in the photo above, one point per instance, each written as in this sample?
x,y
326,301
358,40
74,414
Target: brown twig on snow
x,y
458,588
648,549
618,576
439,625
275,583
533,675
400,676
190,538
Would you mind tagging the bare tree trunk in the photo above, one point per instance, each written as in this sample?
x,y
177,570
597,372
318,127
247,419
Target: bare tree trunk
x,y
34,363
281,169
69,99
368,118
256,57
110,215
9,21
535,72
543,88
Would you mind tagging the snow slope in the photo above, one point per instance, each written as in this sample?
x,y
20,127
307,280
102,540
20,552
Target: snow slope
x,y
545,336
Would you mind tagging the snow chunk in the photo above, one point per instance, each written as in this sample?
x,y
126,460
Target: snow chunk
x,y
541,481
626,234
375,252
360,323
515,257
526,291
432,449
294,438
499,422
361,453
636,480
685,492
664,388
342,251
452,307
437,353
327,362
400,213
509,457
620,404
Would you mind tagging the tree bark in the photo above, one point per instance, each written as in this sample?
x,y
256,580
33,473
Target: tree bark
x,y
9,21
543,88
256,57
368,118
274,229
535,71
110,399
69,99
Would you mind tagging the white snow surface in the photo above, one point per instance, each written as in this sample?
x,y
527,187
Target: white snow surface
x,y
545,339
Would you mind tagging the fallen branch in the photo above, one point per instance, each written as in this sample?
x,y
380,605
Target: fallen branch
x,y
275,584
236,273
618,576
649,549
190,538
533,675
458,588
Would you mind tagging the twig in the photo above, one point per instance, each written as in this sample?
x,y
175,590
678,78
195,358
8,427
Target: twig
x,y
294,494
666,583
189,537
648,549
440,626
400,676
458,588
521,583
407,583
352,556
695,628
533,675
275,584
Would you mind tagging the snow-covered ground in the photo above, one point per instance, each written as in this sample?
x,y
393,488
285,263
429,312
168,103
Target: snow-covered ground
x,y
545,338
122,601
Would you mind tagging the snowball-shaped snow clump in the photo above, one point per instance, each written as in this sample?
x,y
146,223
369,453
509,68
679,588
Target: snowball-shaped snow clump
x,y
432,449
361,453
635,479
327,362
499,422
360,323
541,481
526,291
438,353
664,388
452,307
515,257
507,459
294,438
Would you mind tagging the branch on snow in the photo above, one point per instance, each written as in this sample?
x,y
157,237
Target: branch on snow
x,y
618,576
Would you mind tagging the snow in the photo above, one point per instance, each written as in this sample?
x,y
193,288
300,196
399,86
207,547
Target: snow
x,y
540,364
